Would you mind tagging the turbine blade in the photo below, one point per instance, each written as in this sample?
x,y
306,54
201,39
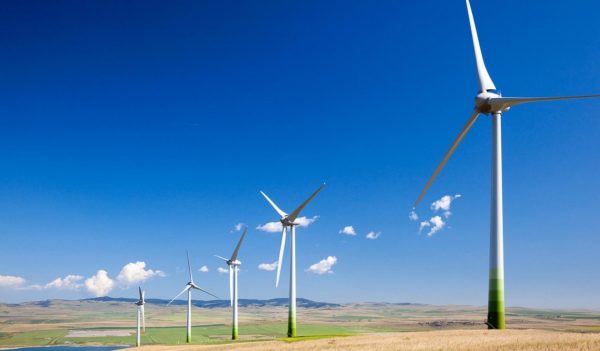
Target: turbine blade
x,y
448,154
143,318
292,217
485,81
204,291
223,258
187,287
141,294
277,209
283,233
502,103
237,248
230,286
189,266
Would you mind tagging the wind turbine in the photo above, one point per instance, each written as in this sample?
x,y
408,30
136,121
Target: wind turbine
x,y
140,316
489,101
290,221
233,264
188,287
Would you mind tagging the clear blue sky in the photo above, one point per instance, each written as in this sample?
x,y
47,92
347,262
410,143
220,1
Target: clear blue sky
x,y
130,131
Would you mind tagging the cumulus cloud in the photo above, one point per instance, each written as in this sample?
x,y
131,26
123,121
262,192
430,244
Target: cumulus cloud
x,y
324,266
100,284
222,270
203,269
136,272
373,235
275,227
436,223
11,281
348,230
238,227
444,203
70,282
268,266
413,216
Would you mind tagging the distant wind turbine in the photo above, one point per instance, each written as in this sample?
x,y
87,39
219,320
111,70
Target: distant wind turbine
x,y
233,264
490,101
188,287
290,221
140,316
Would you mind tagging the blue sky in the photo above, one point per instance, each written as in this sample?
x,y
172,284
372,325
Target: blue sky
x,y
133,131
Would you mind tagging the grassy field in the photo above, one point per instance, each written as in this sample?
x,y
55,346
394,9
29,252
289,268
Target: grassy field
x,y
58,322
447,340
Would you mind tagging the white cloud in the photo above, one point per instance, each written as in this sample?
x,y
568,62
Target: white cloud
x,y
238,226
222,270
99,284
275,227
70,282
305,221
444,203
348,230
324,266
423,225
10,281
372,235
271,227
203,269
437,224
413,216
135,272
268,266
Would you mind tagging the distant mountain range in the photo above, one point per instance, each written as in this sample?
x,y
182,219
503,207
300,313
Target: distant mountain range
x,y
305,303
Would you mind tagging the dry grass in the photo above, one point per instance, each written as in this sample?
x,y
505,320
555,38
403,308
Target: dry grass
x,y
446,340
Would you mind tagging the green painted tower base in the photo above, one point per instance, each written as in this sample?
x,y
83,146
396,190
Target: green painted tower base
x,y
292,325
234,334
188,339
495,319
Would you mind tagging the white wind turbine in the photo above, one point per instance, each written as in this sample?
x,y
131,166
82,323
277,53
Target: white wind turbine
x,y
140,316
234,264
490,101
290,221
188,287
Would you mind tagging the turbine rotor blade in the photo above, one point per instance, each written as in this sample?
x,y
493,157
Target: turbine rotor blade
x,y
141,294
230,286
502,103
292,217
283,233
448,154
277,209
483,77
237,248
204,291
223,258
187,287
143,318
189,267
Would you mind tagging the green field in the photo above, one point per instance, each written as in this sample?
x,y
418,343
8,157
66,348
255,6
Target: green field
x,y
59,322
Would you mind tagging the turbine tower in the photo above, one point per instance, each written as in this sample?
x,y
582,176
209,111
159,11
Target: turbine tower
x,y
489,101
188,287
233,264
290,221
140,316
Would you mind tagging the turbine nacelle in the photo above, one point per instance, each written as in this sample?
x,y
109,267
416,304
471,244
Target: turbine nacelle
x,y
485,102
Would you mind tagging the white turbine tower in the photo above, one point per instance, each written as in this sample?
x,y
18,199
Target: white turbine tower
x,y
290,221
233,264
188,287
490,102
140,317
